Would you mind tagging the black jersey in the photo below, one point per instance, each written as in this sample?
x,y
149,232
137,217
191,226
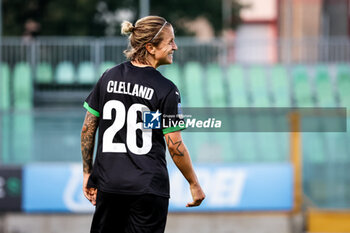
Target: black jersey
x,y
131,159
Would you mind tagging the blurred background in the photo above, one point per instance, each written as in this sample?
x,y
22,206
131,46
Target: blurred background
x,y
232,53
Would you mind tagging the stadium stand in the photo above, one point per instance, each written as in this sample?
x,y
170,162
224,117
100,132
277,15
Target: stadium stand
x,y
22,86
343,84
86,73
174,74
280,87
194,91
5,87
105,66
324,88
22,135
215,86
241,142
258,87
65,73
237,86
301,87
44,73
221,142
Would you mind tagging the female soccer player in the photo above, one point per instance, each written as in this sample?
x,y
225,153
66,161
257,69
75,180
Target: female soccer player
x,y
128,181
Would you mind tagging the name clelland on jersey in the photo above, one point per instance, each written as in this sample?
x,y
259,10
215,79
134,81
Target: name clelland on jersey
x,y
130,89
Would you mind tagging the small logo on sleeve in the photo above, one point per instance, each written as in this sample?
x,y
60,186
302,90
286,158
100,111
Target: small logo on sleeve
x,y
151,120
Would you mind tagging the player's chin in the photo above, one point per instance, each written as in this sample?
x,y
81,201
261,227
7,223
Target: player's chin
x,y
170,59
167,61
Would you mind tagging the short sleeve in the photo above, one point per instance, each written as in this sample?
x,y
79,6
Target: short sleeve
x,y
171,112
92,101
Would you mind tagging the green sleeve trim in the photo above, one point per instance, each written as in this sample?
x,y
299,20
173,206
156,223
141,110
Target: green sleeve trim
x,y
173,129
91,110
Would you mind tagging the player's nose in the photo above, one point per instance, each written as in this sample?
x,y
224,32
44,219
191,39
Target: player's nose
x,y
174,46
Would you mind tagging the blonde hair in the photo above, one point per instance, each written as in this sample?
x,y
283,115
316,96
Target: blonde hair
x,y
146,30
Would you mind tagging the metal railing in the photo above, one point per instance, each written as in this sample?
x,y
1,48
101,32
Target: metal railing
x,y
77,49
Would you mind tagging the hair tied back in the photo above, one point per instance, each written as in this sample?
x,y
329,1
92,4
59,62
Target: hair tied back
x,y
127,28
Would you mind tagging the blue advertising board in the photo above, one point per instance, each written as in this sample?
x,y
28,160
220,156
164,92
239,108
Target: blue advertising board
x,y
58,188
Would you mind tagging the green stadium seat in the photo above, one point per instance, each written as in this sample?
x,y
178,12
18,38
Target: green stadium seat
x,y
302,88
215,86
238,95
324,88
280,86
44,73
173,73
242,143
5,87
343,83
86,73
194,95
65,73
22,86
105,66
258,87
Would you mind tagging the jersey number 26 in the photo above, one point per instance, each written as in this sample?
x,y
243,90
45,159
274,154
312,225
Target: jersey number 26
x,y
131,127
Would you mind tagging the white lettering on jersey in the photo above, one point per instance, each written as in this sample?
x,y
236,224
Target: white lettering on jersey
x,y
110,87
130,89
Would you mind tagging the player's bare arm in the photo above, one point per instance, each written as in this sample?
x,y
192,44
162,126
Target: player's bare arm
x,y
88,133
181,158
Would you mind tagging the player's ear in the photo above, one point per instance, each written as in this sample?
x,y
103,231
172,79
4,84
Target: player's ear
x,y
150,48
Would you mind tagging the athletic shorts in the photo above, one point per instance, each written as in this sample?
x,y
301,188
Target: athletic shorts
x,y
117,213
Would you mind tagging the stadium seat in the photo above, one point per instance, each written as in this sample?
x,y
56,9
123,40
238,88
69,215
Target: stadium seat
x,y
44,73
5,87
194,97
236,81
194,85
173,73
105,66
343,83
215,86
258,87
22,86
65,73
86,73
324,88
242,143
301,87
280,86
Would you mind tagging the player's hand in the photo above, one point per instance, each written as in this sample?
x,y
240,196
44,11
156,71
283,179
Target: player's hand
x,y
197,195
89,193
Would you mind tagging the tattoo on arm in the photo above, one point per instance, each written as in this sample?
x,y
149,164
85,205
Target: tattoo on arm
x,y
176,151
88,141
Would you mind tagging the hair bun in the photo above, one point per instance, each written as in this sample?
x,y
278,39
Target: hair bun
x,y
127,28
